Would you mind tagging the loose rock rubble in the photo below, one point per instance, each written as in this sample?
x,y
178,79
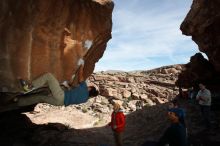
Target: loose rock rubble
x,y
132,90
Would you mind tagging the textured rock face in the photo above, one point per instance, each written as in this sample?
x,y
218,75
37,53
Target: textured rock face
x,y
202,23
197,70
50,36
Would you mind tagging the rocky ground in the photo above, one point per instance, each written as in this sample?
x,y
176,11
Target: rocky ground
x,y
85,124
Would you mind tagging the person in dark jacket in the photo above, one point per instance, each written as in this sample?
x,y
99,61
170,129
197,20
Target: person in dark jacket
x,y
117,123
175,134
174,104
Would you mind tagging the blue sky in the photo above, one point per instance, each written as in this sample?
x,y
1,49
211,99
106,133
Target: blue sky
x,y
146,35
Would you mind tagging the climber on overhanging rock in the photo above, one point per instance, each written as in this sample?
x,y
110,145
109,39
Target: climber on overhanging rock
x,y
74,95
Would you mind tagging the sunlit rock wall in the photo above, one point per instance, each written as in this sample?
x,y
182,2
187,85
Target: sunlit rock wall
x,y
38,36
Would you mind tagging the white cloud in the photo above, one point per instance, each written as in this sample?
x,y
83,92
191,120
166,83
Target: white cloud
x,y
141,33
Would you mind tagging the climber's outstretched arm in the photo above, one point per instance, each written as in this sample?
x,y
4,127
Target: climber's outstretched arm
x,y
80,75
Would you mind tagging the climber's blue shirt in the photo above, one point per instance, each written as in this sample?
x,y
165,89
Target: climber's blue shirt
x,y
77,95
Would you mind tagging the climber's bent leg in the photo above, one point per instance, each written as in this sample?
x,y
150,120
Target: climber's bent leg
x,y
56,90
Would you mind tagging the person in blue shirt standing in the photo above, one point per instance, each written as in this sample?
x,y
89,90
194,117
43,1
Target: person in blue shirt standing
x,y
74,95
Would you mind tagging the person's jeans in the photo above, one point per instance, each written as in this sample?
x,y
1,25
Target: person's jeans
x,y
57,97
205,110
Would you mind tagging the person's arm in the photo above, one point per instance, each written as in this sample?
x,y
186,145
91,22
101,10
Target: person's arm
x,y
203,98
79,71
206,96
198,96
80,75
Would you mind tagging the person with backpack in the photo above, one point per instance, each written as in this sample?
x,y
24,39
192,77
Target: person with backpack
x,y
117,123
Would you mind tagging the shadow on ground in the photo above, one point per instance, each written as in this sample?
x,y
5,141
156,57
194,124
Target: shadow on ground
x,y
143,125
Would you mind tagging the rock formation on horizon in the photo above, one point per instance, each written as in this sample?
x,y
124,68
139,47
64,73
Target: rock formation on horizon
x,y
50,36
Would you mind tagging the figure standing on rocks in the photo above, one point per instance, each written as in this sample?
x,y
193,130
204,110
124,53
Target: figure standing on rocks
x,y
75,95
175,135
204,98
117,123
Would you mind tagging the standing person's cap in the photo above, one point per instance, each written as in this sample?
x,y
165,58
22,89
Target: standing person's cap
x,y
179,113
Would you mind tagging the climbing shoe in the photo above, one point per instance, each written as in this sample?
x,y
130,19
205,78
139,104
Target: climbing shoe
x,y
27,87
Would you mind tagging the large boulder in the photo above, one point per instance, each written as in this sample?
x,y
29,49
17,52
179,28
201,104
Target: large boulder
x,y
202,23
197,70
50,36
